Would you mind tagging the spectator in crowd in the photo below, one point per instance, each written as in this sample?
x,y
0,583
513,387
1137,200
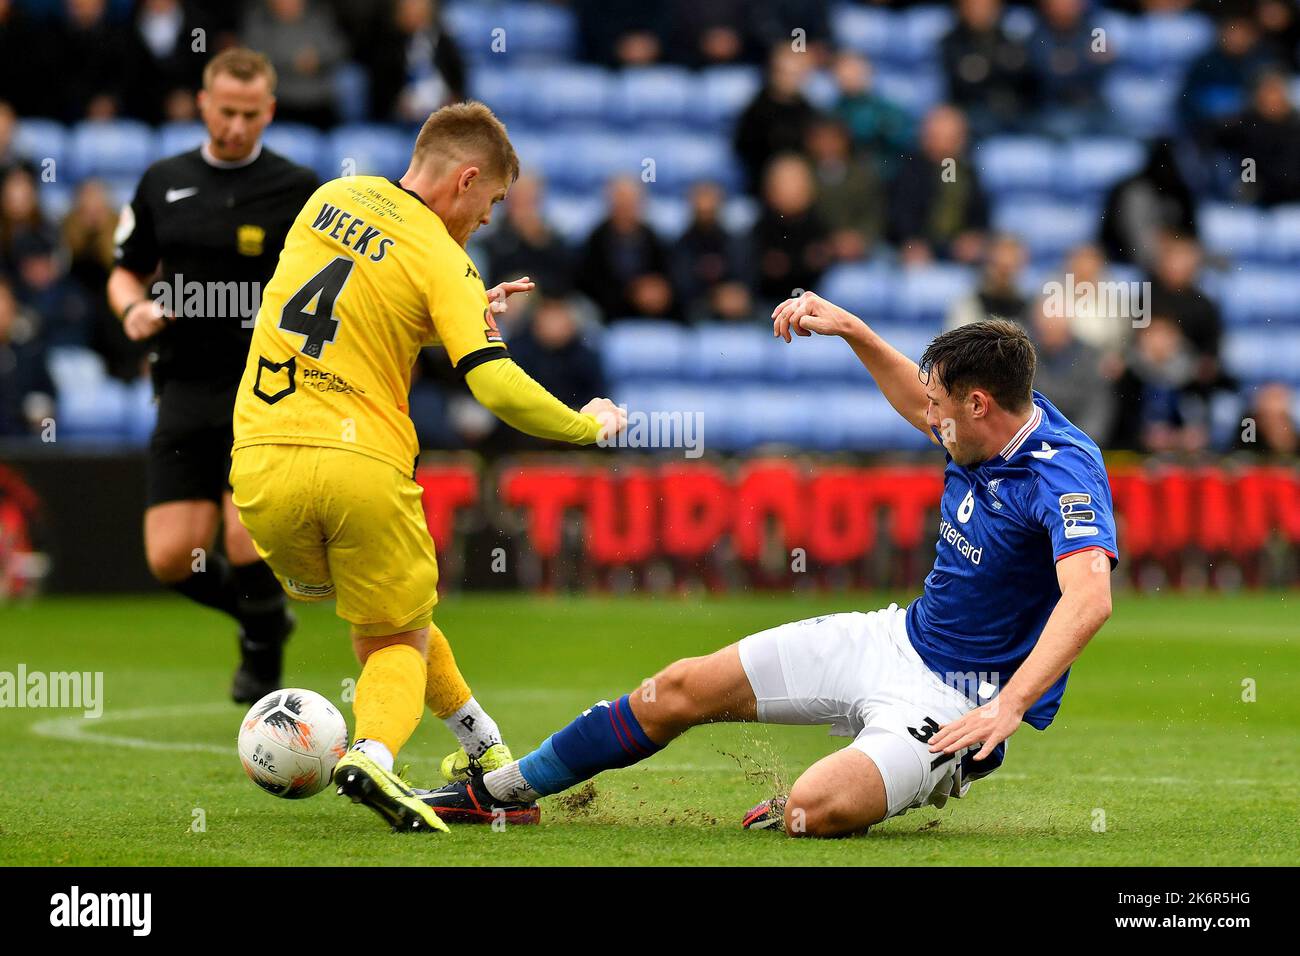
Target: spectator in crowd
x,y
1270,427
167,30
20,208
415,65
88,240
940,211
523,243
791,243
1216,83
1157,410
550,348
26,389
624,267
998,295
1099,319
774,22
710,34
24,57
1068,64
706,256
778,117
1279,23
621,32
850,196
8,127
1267,136
66,315
1070,372
1139,210
879,127
99,64
304,44
986,68
1175,293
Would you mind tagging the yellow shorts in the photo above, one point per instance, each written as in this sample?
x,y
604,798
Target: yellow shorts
x,y
332,522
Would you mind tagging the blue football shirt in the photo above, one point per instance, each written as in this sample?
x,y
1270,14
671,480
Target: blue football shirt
x,y
1004,524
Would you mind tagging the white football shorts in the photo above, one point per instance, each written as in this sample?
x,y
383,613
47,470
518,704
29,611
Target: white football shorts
x,y
859,673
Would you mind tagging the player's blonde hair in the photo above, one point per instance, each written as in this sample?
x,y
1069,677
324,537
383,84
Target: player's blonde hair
x,y
241,63
466,132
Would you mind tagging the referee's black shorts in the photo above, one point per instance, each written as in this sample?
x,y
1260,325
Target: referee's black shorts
x,y
189,452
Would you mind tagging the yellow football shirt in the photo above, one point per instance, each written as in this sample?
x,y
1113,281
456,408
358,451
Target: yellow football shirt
x,y
368,276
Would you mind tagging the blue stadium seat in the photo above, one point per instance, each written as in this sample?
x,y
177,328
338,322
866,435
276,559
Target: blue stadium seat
x,y
1259,355
817,358
923,29
523,32
174,138
645,348
685,158
1163,41
910,339
722,92
668,216
866,30
364,149
728,351
41,139
768,415
1017,164
820,89
589,157
1282,234
1235,231
651,94
566,93
1260,295
90,404
915,89
1095,165
866,290
926,292
506,89
573,216
352,92
303,144
1143,106
1048,227
110,148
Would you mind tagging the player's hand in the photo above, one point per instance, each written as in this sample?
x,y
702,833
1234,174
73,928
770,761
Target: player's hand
x,y
991,724
498,294
144,320
811,313
612,418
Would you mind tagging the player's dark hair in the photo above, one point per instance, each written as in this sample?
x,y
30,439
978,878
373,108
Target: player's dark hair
x,y
994,355
464,132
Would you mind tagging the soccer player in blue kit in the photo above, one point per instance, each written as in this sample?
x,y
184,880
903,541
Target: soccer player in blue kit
x,y
930,693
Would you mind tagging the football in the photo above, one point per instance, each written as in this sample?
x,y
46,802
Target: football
x,y
290,741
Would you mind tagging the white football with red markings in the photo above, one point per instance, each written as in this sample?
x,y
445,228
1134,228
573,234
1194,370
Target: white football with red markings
x,y
290,741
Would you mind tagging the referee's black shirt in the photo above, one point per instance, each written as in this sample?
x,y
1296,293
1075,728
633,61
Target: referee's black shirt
x,y
210,223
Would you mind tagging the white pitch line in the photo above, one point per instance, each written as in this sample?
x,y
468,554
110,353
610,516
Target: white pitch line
x,y
77,729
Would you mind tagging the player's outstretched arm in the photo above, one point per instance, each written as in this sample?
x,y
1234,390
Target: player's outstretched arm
x,y
896,375
1085,605
513,396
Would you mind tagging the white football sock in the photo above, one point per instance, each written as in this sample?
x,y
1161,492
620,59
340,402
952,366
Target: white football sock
x,y
475,730
509,785
376,751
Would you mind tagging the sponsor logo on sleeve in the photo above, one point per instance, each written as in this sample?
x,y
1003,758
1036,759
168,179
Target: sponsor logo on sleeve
x,y
1078,515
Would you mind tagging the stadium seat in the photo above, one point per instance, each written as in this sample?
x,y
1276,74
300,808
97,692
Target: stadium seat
x,y
1163,41
1230,230
352,92
41,139
915,90
645,348
722,92
1142,105
727,351
1017,164
668,216
866,290
110,148
866,30
1048,227
923,29
1281,240
303,144
651,94
1263,355
505,89
366,149
815,359
926,292
173,138
1259,295
567,93
685,158
765,414
574,216
90,404
1094,165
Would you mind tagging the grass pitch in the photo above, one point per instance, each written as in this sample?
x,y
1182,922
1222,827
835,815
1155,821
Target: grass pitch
x,y
1154,759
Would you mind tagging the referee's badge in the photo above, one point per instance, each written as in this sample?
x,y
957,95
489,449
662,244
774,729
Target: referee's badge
x,y
250,240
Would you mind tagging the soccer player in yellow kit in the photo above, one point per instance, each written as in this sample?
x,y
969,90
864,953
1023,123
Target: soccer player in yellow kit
x,y
324,452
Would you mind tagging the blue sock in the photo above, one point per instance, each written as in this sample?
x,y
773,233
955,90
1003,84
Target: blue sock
x,y
606,737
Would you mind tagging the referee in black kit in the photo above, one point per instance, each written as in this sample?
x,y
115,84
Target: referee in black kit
x,y
194,249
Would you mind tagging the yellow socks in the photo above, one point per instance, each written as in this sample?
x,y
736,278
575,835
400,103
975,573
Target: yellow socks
x,y
445,690
389,700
